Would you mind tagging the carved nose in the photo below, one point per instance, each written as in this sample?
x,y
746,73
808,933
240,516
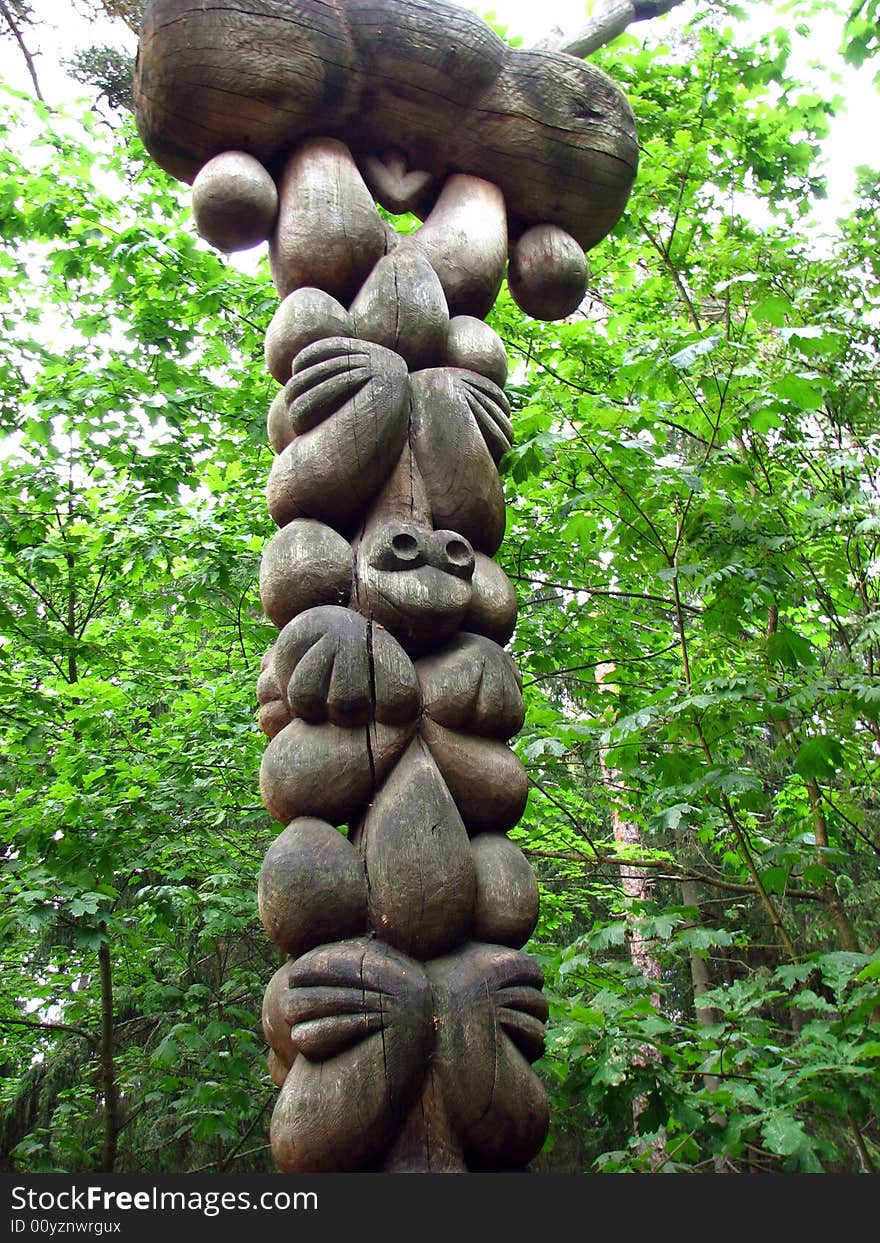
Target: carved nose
x,y
452,553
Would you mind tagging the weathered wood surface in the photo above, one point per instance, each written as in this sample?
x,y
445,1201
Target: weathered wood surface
x,y
389,701
387,1064
420,77
403,1026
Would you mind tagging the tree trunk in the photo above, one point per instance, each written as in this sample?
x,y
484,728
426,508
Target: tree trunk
x,y
107,1070
638,886
846,934
700,978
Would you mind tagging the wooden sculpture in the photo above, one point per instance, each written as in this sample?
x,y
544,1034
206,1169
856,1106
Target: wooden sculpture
x,y
404,1022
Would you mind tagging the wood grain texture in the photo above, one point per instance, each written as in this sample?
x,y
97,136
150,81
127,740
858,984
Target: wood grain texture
x,y
323,196
421,878
305,564
276,1027
354,399
506,910
473,346
415,581
427,78
311,887
460,429
548,274
472,685
401,305
493,601
305,316
234,201
326,770
492,1027
485,778
465,241
360,1017
403,1026
333,664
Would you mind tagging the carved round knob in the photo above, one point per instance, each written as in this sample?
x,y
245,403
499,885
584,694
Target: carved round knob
x,y
548,274
234,201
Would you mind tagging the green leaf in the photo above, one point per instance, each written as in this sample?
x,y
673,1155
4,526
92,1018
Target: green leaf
x,y
685,358
772,310
784,1134
803,392
819,757
774,879
790,649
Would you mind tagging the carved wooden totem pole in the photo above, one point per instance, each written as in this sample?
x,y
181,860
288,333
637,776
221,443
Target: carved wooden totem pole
x,y
403,1025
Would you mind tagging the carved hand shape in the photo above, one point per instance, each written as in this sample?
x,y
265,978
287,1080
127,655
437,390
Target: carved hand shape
x,y
490,1025
360,1021
349,411
332,665
365,1030
461,429
472,685
398,187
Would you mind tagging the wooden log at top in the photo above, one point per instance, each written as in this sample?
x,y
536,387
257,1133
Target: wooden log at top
x,y
424,77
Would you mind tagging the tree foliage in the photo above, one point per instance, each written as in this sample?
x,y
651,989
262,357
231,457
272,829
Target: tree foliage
x,y
693,532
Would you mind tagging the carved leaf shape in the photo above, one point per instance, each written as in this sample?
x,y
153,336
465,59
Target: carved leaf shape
x,y
420,869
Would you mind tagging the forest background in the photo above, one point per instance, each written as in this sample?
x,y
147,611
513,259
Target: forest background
x,y
694,535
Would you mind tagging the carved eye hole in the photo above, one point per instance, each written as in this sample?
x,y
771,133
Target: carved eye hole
x,y
397,548
458,552
452,554
405,546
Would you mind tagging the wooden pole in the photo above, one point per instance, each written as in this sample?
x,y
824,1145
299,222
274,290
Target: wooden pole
x,y
404,1023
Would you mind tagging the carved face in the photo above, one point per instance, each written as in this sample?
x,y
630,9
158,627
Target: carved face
x,y
416,582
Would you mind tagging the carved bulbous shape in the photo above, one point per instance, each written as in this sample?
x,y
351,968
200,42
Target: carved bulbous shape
x,y
323,196
506,909
473,346
305,316
420,869
360,1018
465,241
311,887
401,305
402,1028
548,273
234,201
305,564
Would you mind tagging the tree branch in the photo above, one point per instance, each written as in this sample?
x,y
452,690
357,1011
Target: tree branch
x,y
668,869
17,36
51,1027
608,23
